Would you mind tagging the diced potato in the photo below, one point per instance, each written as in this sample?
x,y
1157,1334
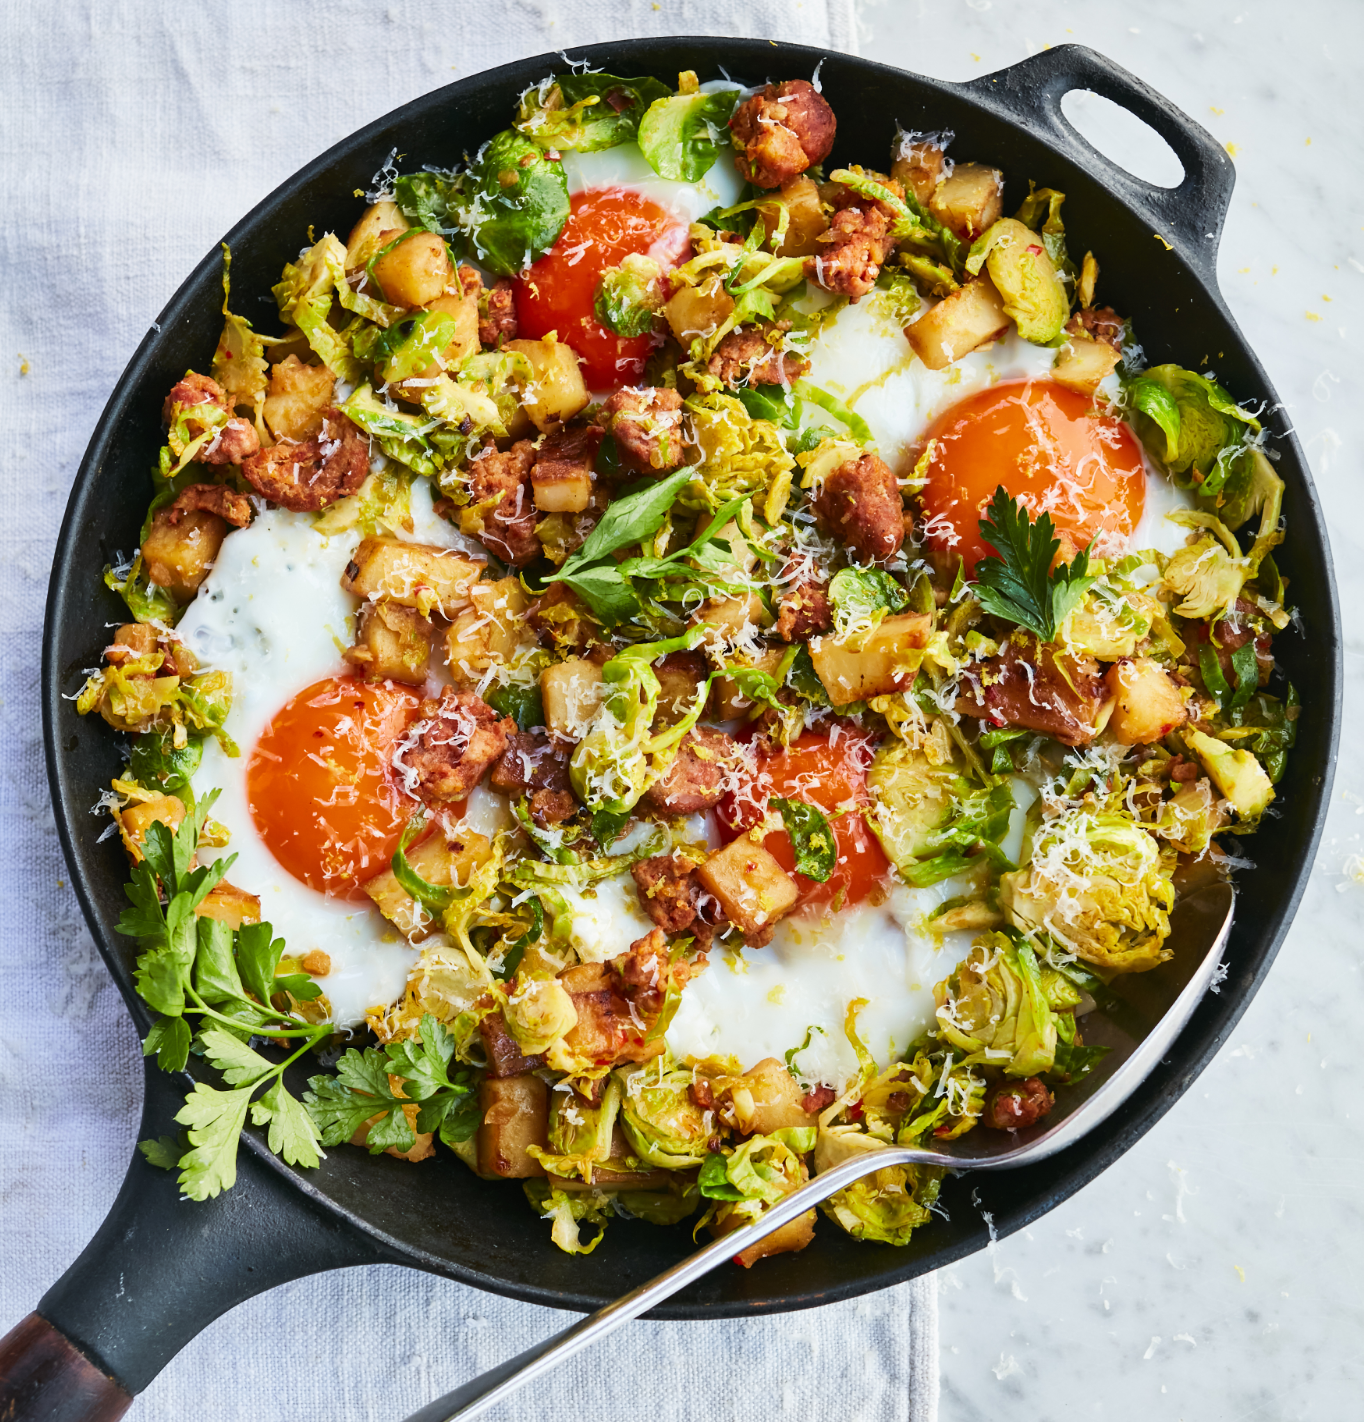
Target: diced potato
x,y
727,702
561,492
557,390
969,200
919,169
464,308
413,574
297,398
135,820
416,271
229,904
438,861
753,889
806,220
786,1240
392,643
515,1117
680,678
694,311
571,693
133,639
490,633
178,557
734,618
1084,363
383,217
958,324
1146,703
881,664
776,1099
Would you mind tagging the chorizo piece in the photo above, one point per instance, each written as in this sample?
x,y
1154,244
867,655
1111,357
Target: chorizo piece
x,y
316,472
782,132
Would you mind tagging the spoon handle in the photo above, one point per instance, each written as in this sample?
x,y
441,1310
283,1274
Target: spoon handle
x,y
490,1388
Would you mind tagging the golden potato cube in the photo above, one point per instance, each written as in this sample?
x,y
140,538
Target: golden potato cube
x,y
297,398
969,200
364,241
490,632
881,664
515,1117
465,340
919,168
786,1240
776,1097
416,271
753,889
694,311
133,639
558,489
1084,364
1146,703
557,390
392,643
806,218
571,693
135,820
438,861
959,324
727,702
413,574
733,618
178,557
230,905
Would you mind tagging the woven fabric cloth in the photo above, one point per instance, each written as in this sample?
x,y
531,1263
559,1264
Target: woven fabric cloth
x,y
133,135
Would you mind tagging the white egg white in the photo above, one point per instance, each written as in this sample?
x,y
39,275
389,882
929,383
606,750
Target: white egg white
x,y
273,614
626,167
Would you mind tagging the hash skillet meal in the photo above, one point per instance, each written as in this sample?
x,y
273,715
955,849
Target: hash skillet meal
x,y
706,662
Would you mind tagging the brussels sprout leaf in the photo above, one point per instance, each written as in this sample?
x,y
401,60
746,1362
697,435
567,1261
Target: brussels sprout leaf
x,y
811,838
518,204
681,136
713,1181
433,896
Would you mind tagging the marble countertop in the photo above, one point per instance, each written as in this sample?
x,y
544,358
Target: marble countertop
x,y
1212,1273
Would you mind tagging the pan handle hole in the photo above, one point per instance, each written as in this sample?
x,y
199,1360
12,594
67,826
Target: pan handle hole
x,y
1123,138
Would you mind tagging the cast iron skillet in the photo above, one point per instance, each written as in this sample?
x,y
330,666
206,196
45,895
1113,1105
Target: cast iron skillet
x,y
139,1291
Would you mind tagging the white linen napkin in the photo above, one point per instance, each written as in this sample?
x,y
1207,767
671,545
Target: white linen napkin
x,y
134,135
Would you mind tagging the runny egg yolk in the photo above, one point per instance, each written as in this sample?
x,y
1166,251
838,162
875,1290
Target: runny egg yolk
x,y
320,786
1049,448
558,292
827,769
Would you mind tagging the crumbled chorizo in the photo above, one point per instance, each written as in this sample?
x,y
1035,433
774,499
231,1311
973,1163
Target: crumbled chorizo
x,y
1027,686
237,440
647,425
696,779
856,246
193,390
497,314
214,498
860,503
753,355
500,479
803,609
308,476
1099,323
816,1099
501,1048
782,132
451,745
1016,1105
535,764
672,895
609,1028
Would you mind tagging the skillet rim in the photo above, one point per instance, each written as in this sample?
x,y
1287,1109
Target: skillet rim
x,y
1200,1040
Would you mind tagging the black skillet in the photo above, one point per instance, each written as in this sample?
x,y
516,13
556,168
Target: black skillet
x,y
160,1269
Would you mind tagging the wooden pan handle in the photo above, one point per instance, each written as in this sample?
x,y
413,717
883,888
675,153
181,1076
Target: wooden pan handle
x,y
44,1377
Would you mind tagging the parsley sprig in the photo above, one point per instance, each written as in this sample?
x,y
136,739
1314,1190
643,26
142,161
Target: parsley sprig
x,y
201,967
1018,582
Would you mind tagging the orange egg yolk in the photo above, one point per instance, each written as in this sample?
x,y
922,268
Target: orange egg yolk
x,y
558,292
321,790
1049,448
827,769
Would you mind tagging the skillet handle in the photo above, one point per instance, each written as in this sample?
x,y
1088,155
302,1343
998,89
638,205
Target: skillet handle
x,y
1189,217
159,1270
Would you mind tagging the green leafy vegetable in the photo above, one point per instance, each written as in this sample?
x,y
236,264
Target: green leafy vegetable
x,y
522,703
518,203
630,296
1191,424
408,346
427,199
586,112
811,836
1018,583
156,762
682,136
437,897
861,598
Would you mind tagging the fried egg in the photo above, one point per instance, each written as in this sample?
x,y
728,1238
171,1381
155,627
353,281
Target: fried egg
x,y
308,803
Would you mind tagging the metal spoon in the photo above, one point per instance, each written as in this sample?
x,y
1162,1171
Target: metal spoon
x,y
1137,1021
